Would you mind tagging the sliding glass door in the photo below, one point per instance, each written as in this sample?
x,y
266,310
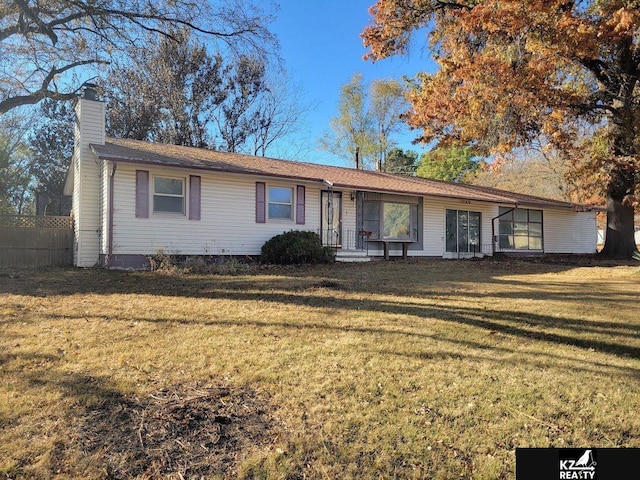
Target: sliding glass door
x,y
463,231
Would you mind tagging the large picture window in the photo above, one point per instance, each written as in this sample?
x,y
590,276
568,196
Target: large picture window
x,y
397,221
391,220
280,203
168,195
463,231
520,229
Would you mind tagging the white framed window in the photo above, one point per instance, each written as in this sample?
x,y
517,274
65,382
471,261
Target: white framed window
x,y
281,203
520,229
169,195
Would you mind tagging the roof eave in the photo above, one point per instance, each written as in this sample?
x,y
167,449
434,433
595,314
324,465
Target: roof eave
x,y
208,168
260,173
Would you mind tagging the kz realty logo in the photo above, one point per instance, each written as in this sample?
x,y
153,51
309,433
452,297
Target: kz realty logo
x,y
577,464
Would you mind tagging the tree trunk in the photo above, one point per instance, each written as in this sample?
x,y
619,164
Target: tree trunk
x,y
619,239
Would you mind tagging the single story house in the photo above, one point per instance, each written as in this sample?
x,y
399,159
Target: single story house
x,y
132,199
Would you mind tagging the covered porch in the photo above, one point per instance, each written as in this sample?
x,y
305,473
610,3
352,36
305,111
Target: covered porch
x,y
359,224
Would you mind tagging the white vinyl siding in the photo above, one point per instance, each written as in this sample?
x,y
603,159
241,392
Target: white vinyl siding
x,y
227,225
569,232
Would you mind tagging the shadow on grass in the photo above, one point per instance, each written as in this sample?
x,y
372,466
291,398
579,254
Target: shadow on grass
x,y
495,324
407,278
312,287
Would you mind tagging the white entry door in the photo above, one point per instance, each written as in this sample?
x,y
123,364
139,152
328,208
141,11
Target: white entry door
x,y
331,218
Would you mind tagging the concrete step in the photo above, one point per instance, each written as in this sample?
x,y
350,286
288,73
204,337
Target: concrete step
x,y
352,256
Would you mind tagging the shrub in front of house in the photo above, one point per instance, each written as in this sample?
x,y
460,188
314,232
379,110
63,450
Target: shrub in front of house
x,y
296,247
199,264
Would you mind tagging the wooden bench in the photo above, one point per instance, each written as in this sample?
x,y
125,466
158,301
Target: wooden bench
x,y
405,247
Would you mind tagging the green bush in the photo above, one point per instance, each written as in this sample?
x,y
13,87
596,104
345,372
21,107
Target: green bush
x,y
295,247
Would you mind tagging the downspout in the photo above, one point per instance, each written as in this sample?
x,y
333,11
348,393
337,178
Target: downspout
x,y
493,228
111,189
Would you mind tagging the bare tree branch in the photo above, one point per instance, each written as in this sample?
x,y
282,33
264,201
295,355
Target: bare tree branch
x,y
44,28
37,36
44,91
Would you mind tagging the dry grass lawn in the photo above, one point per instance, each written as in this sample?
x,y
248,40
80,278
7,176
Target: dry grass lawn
x,y
419,369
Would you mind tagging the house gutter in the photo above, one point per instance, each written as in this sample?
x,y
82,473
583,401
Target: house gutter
x,y
111,190
493,228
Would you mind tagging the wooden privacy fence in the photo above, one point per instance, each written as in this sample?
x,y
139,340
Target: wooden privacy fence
x,y
34,241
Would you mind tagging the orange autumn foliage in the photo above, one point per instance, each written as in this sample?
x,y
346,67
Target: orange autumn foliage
x,y
512,72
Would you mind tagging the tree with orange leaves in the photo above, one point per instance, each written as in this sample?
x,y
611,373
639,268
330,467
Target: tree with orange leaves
x,y
514,71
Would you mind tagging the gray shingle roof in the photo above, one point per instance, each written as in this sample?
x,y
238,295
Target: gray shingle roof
x,y
135,151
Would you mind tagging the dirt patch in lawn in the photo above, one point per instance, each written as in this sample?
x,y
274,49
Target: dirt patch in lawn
x,y
196,431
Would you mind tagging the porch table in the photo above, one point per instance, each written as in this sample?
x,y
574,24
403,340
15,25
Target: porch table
x,y
405,247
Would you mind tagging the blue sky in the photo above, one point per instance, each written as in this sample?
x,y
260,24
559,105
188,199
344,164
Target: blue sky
x,y
322,50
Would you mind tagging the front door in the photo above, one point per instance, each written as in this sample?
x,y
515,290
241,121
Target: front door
x,y
331,218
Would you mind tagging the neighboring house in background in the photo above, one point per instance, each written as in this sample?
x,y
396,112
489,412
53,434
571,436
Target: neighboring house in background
x,y
601,233
132,199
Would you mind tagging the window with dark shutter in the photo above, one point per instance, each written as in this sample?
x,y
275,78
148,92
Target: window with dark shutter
x,y
300,192
142,194
194,197
261,216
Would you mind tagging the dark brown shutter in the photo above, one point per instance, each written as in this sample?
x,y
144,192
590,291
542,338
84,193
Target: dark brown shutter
x,y
142,194
300,205
194,197
261,213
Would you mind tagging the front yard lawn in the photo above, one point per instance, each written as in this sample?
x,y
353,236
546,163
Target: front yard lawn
x,y
417,369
